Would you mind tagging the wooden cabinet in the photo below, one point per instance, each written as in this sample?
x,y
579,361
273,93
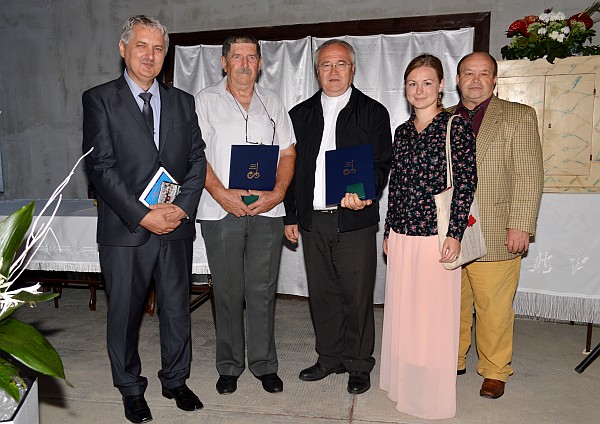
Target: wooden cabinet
x,y
568,110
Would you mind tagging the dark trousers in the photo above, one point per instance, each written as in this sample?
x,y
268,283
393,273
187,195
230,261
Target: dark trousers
x,y
243,255
128,272
341,277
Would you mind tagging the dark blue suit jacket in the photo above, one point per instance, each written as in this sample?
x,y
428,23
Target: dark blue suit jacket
x,y
125,158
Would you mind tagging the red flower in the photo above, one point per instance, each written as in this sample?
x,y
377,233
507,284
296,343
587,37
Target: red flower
x,y
518,27
472,221
584,18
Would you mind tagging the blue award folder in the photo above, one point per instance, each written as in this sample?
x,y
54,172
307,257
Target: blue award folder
x,y
349,170
253,167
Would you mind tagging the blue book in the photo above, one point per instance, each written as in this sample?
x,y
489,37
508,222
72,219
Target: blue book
x,y
349,170
155,190
253,167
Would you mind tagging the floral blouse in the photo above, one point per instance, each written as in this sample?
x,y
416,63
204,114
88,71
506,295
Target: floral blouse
x,y
419,172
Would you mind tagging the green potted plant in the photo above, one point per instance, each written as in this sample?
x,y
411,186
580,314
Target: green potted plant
x,y
19,341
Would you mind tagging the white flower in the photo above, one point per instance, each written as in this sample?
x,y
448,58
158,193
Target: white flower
x,y
553,35
542,31
552,17
566,30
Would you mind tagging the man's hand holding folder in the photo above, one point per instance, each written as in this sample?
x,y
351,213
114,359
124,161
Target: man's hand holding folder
x,y
351,201
266,201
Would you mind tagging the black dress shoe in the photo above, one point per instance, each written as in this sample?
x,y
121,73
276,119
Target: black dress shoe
x,y
318,372
184,398
461,372
136,409
271,383
227,384
358,382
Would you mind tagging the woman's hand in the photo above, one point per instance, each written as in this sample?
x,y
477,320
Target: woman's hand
x,y
450,250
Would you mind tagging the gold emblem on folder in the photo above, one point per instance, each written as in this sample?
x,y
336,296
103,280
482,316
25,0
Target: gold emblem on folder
x,y
253,171
349,168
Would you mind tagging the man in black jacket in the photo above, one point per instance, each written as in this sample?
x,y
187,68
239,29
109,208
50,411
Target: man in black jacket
x,y
339,243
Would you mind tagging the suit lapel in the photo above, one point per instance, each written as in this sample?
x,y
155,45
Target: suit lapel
x,y
132,106
165,115
489,127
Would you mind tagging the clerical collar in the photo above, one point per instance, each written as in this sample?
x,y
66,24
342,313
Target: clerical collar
x,y
343,98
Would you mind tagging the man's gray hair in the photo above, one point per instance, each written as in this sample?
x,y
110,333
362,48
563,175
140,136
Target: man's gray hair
x,y
236,39
333,42
147,22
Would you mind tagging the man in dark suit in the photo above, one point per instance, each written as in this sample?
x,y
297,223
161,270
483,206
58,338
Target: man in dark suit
x,y
133,135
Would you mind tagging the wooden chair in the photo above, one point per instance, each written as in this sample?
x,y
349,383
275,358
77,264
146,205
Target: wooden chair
x,y
201,290
57,280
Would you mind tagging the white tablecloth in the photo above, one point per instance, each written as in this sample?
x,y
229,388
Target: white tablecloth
x,y
560,276
71,245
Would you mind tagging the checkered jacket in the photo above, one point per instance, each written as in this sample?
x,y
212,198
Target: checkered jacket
x,y
510,174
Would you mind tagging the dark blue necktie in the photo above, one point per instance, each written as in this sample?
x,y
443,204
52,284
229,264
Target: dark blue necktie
x,y
147,111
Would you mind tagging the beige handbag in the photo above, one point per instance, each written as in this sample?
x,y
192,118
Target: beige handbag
x,y
472,245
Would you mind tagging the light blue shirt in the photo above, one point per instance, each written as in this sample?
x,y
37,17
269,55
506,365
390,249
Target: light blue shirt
x,y
154,102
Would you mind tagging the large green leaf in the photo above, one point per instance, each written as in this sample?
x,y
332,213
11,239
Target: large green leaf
x,y
25,296
8,374
29,346
12,233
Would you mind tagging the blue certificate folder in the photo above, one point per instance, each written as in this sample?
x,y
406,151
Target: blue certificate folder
x,y
253,167
349,170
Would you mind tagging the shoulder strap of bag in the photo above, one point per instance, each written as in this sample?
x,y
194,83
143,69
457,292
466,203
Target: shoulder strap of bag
x,y
449,176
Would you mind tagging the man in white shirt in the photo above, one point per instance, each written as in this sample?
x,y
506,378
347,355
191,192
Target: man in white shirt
x,y
243,241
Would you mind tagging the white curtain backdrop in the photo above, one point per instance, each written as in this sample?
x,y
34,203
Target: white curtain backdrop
x,y
288,70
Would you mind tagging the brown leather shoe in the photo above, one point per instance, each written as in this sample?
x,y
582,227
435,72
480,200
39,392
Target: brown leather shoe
x,y
492,389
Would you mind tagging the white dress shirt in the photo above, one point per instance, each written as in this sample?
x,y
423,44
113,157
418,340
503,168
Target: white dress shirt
x,y
154,102
223,124
331,109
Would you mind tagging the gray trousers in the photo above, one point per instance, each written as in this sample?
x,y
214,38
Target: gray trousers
x,y
243,256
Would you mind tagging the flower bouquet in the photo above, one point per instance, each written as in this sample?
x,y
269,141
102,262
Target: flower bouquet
x,y
552,35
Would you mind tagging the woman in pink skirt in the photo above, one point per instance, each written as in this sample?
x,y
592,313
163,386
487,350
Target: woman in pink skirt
x,y
422,299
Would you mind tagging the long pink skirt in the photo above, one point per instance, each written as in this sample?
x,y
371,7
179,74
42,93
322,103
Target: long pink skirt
x,y
420,328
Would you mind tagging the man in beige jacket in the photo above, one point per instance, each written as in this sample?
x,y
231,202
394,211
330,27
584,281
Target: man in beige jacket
x,y
510,171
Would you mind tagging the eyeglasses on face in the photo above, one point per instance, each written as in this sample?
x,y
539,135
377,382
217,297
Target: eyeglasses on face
x,y
341,65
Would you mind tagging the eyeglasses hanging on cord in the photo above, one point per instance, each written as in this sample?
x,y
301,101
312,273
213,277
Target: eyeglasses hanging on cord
x,y
247,115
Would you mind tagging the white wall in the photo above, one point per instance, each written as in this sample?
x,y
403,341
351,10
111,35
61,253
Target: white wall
x,y
52,50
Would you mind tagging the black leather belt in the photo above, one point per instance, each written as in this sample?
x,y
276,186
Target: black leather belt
x,y
327,211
